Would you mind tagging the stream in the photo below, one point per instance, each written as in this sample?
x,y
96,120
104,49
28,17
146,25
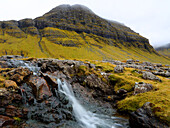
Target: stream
x,y
65,108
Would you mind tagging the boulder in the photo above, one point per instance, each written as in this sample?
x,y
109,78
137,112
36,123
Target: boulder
x,y
144,118
167,74
19,74
10,84
118,69
40,87
4,121
142,87
150,76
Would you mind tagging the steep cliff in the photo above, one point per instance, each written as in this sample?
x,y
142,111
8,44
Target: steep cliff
x,y
74,32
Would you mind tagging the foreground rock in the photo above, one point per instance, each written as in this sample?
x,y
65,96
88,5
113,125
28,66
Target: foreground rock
x,y
4,121
144,118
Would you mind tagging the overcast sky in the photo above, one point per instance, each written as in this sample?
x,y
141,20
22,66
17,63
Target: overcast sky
x,y
150,18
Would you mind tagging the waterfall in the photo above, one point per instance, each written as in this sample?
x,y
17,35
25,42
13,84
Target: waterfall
x,y
85,118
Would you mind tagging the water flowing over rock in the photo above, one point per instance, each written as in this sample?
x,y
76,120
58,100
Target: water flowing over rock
x,y
52,97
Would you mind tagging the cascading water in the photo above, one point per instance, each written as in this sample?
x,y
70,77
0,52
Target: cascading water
x,y
84,117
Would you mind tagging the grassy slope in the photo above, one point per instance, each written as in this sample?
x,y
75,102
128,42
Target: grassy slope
x,y
165,52
87,46
159,96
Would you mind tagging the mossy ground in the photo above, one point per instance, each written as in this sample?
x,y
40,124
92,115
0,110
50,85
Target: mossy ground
x,y
159,96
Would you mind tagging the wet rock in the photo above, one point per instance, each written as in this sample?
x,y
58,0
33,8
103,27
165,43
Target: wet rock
x,y
9,84
150,76
5,64
118,69
144,118
142,87
122,93
40,87
19,74
12,111
4,121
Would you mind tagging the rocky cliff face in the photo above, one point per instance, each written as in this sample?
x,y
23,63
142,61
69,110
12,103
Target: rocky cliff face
x,y
71,26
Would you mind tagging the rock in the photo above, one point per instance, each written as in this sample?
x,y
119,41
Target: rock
x,y
142,88
147,64
19,74
118,69
9,84
158,65
40,87
150,76
12,111
144,118
5,64
130,61
4,121
121,92
167,74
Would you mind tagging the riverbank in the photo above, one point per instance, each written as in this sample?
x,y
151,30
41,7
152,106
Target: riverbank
x,y
103,85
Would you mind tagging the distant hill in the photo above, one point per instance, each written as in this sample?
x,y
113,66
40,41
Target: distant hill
x,y
164,50
74,32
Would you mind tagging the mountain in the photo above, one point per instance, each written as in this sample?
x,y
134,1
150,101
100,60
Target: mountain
x,y
74,32
164,50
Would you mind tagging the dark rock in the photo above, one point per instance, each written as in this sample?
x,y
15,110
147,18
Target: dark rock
x,y
4,121
142,88
12,111
121,92
144,118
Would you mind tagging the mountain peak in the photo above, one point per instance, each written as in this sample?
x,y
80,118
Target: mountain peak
x,y
67,7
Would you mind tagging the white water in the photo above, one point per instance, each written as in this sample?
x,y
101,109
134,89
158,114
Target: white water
x,y
85,118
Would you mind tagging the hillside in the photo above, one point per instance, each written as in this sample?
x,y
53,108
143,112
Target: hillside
x,y
164,50
71,32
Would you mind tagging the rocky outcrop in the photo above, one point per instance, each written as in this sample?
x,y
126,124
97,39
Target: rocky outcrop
x,y
142,87
118,69
144,118
19,74
150,76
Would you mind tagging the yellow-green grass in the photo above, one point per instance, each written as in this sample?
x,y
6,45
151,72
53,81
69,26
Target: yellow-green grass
x,y
79,46
165,52
159,96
